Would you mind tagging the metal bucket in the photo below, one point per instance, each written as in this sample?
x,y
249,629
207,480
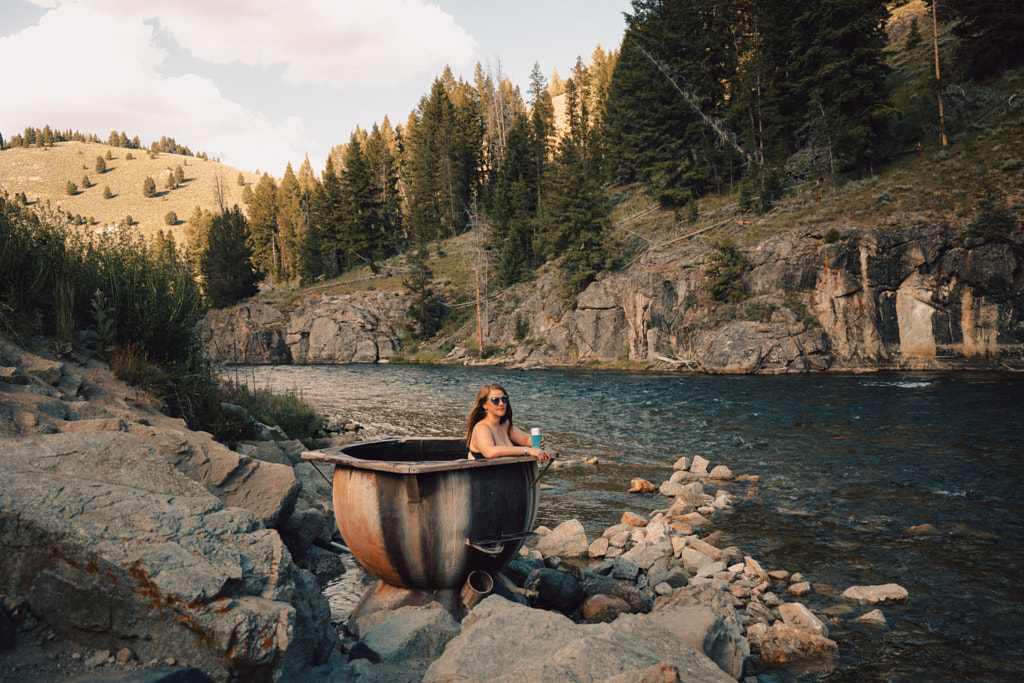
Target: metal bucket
x,y
418,514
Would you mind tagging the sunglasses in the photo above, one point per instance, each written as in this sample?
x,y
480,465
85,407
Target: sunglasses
x,y
499,399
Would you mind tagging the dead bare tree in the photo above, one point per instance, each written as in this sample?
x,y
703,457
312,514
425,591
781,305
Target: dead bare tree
x,y
938,81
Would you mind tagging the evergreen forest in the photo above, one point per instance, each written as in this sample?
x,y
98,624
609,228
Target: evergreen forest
x,y
701,98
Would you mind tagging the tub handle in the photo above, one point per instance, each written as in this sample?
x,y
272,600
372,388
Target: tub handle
x,y
496,546
493,549
544,469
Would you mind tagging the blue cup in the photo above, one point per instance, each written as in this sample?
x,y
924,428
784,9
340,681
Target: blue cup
x,y
535,437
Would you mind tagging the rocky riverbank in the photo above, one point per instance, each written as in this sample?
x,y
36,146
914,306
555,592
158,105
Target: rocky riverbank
x,y
131,542
653,598
834,296
122,531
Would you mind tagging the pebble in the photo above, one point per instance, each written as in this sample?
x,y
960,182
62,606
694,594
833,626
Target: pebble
x,y
874,618
799,589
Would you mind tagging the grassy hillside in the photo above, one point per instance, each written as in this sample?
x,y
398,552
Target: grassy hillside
x,y
43,174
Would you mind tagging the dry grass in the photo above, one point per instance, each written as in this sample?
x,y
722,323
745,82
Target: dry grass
x,y
43,174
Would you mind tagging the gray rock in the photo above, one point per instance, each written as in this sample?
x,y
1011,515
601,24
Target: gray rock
x,y
720,473
624,569
874,619
694,560
568,539
670,489
554,589
639,600
704,617
110,537
324,563
874,595
645,554
677,577
783,645
553,648
799,617
269,451
598,547
409,635
691,494
711,551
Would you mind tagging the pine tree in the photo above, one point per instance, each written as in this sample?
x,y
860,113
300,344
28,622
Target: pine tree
x,y
320,245
292,218
361,229
654,133
101,164
383,156
149,187
515,205
576,213
991,34
263,227
914,37
442,157
843,75
427,308
542,123
197,235
226,266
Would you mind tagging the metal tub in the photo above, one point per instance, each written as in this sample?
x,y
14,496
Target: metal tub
x,y
419,515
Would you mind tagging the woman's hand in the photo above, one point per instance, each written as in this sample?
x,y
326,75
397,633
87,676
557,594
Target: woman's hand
x,y
539,453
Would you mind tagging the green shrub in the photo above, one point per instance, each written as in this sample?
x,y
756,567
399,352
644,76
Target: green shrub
x,y
491,350
522,328
171,218
289,411
149,187
71,188
724,272
831,235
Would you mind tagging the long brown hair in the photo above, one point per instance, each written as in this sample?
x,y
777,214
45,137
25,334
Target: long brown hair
x,y
478,413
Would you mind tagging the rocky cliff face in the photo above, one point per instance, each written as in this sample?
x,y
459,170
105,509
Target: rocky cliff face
x,y
329,329
920,297
122,528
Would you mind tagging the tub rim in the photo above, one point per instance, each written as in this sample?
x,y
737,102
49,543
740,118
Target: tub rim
x,y
336,455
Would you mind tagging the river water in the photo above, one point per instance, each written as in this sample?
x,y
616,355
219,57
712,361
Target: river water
x,y
847,464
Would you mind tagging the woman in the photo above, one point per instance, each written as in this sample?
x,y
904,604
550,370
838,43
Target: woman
x,y
489,429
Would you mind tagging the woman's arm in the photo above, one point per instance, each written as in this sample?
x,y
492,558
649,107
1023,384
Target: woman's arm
x,y
483,441
518,436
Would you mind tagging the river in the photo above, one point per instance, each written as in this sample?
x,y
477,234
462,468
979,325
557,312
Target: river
x,y
847,464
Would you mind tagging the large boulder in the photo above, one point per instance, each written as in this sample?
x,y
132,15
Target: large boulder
x,y
705,618
114,548
550,647
568,539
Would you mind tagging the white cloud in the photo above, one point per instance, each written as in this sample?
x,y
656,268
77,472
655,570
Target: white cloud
x,y
94,66
339,43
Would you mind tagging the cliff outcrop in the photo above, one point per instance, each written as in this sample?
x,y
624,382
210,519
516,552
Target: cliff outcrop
x,y
120,528
827,297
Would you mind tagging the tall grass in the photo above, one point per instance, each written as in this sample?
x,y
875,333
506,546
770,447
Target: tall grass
x,y
139,301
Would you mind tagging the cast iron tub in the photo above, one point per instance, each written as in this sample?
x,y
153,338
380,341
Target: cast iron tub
x,y
419,515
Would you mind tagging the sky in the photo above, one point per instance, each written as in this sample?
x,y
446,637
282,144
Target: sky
x,y
259,84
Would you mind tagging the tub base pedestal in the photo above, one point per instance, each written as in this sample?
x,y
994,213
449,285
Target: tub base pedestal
x,y
384,597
